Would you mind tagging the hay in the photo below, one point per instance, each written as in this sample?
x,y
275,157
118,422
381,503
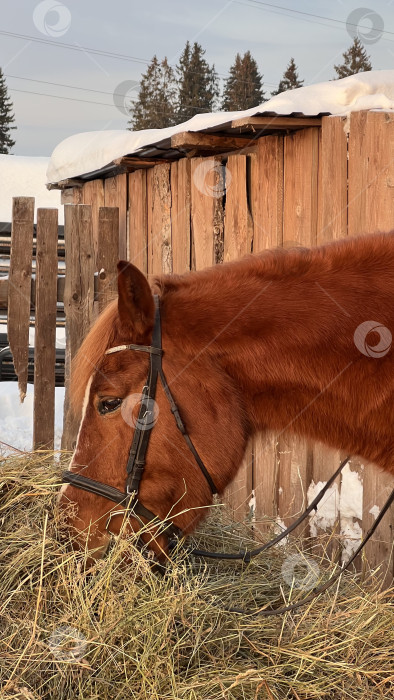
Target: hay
x,y
121,632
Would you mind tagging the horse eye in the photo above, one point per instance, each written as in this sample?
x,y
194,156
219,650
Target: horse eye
x,y
108,405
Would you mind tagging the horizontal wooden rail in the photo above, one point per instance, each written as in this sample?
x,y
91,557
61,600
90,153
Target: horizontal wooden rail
x,y
60,289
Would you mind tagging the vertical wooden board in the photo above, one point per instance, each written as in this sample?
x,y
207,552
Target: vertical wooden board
x,y
207,190
301,170
180,215
78,299
267,194
45,329
238,242
332,225
266,202
72,195
115,195
159,220
371,208
93,195
107,256
295,467
138,220
301,166
19,287
332,188
265,479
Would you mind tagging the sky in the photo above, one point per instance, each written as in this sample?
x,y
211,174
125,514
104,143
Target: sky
x,y
70,66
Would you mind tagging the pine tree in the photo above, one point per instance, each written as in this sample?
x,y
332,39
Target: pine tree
x,y
356,60
155,107
244,86
198,84
7,117
290,79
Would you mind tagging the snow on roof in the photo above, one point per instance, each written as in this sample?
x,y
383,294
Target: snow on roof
x,y
23,176
89,152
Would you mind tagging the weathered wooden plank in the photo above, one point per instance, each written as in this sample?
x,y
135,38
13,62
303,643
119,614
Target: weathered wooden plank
x,y
19,286
267,193
301,168
107,255
181,215
332,190
238,235
208,143
371,208
72,195
159,220
45,329
78,299
208,185
275,122
266,199
115,195
138,220
93,195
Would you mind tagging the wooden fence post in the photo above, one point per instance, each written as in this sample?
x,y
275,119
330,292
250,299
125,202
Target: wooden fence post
x,y
107,255
45,329
19,287
78,299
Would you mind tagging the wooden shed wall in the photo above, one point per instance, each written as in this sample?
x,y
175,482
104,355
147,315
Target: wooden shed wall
x,y
305,188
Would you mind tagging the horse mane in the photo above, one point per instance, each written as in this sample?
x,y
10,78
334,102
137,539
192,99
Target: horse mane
x,y
278,263
100,337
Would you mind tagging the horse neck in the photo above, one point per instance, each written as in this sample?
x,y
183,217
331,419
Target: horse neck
x,y
282,325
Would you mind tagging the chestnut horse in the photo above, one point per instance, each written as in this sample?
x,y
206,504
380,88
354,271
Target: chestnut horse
x,y
288,340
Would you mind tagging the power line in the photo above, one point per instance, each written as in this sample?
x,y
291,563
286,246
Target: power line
x,y
99,52
307,14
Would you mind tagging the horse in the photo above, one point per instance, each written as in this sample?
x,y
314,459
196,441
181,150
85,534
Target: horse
x,y
295,340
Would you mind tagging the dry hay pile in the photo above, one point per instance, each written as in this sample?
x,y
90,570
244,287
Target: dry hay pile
x,y
130,633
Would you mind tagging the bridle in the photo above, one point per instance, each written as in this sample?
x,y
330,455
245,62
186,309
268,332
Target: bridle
x,y
136,466
143,429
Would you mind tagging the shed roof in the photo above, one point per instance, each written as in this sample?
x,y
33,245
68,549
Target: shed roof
x,y
97,154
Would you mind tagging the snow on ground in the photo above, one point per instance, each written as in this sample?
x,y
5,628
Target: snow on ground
x,y
16,419
87,152
23,176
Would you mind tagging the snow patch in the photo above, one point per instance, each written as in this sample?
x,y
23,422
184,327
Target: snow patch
x,y
375,510
16,419
327,510
346,504
278,529
23,176
87,152
252,506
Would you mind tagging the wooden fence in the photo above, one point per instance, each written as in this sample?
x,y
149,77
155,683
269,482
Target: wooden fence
x,y
82,292
304,187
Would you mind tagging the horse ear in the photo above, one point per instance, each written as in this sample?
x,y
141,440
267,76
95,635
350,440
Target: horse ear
x,y
136,307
